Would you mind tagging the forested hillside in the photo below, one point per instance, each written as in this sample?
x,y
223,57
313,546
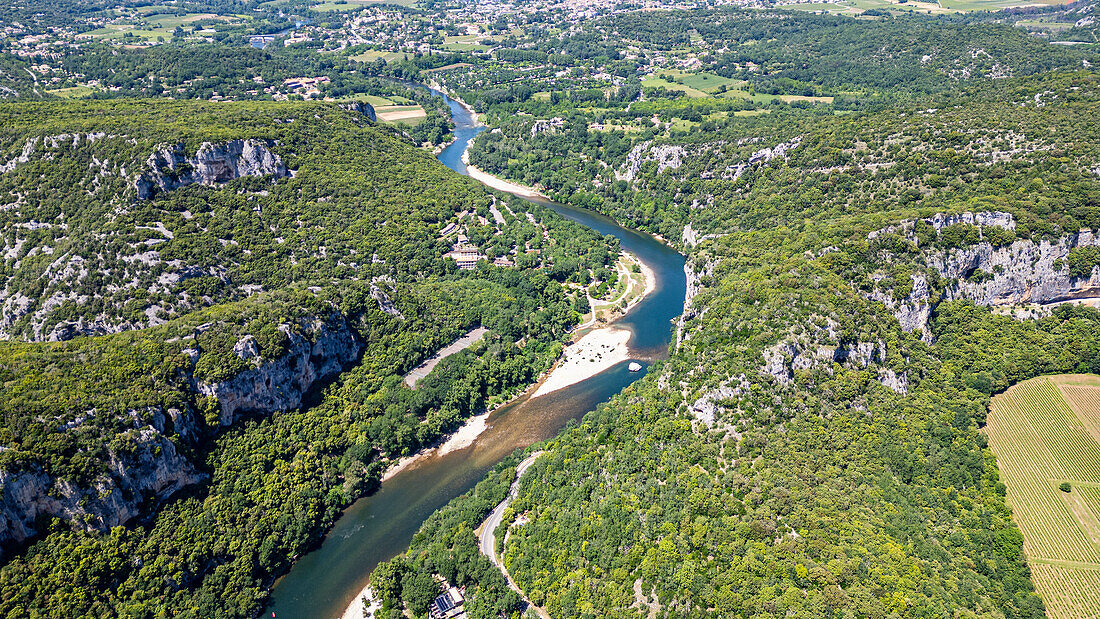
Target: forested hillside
x,y
239,291
861,284
219,263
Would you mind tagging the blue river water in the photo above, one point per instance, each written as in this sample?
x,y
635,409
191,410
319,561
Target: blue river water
x,y
378,527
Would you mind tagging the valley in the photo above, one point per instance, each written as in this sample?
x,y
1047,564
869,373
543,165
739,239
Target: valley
x,y
506,309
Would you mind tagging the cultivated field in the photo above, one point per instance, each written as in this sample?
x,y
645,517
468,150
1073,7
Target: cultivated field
x,y
1046,431
408,114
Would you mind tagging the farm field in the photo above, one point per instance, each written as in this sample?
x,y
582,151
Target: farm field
x,y
655,82
408,114
159,25
371,55
74,92
704,84
693,84
1044,432
378,101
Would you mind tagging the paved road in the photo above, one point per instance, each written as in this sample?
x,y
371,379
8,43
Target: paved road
x,y
487,537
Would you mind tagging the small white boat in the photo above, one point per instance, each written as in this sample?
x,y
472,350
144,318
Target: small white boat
x,y
634,366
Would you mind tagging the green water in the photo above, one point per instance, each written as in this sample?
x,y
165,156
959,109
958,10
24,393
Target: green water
x,y
378,527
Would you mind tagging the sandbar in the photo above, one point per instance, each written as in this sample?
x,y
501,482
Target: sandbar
x,y
592,354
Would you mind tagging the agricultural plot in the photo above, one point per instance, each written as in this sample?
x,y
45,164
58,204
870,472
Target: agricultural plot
x,y
694,84
73,92
162,25
371,55
408,114
655,82
1043,433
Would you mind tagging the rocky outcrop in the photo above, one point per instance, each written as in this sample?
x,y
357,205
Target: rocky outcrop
x,y
914,310
694,272
705,409
1023,273
667,157
672,157
789,356
362,107
939,221
384,302
63,140
151,468
279,384
144,464
170,168
760,157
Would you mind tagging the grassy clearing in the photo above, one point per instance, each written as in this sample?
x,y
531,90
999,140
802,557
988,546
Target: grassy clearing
x,y
163,25
706,84
75,92
655,82
1044,432
695,84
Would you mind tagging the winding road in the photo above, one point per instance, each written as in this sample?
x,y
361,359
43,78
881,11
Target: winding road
x,y
487,535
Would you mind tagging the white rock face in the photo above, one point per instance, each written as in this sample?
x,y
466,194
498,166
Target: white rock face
x,y
169,168
666,156
785,358
384,302
279,384
153,470
939,221
1024,272
707,406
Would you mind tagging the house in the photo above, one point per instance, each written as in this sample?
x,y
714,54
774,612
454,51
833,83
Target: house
x,y
449,605
467,256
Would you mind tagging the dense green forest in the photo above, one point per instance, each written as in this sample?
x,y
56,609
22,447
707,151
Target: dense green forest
x,y
934,154
360,205
209,301
812,446
903,53
338,266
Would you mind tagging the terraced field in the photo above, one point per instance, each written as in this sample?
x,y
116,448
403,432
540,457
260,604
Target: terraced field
x,y
1045,432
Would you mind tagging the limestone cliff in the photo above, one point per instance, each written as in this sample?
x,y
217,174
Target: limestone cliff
x,y
362,107
279,384
170,168
144,466
1023,273
149,468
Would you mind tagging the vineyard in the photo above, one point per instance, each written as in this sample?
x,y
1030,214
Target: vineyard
x,y
1045,432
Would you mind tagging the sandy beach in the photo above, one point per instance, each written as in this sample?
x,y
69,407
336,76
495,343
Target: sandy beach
x,y
467,434
592,354
595,352
355,609
499,183
460,439
650,281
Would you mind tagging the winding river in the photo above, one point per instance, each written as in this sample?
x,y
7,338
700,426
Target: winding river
x,y
380,526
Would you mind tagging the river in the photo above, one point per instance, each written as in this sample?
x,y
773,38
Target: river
x,y
378,527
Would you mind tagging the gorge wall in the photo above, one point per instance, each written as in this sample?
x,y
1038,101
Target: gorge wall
x,y
144,463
